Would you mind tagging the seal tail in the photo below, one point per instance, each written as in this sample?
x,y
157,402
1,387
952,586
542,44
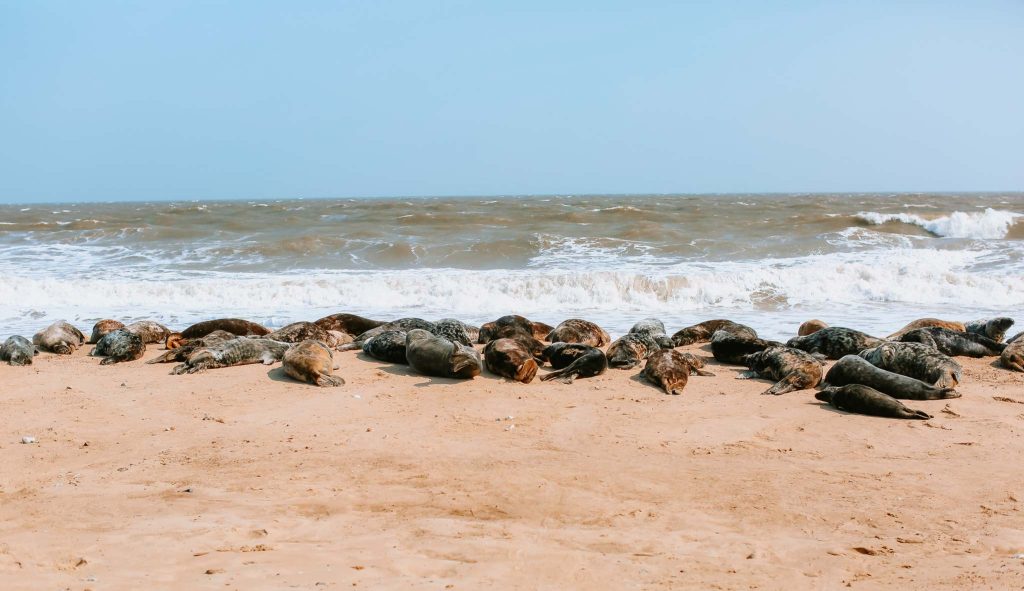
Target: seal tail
x,y
919,415
349,346
701,372
561,375
328,381
783,386
164,357
1013,365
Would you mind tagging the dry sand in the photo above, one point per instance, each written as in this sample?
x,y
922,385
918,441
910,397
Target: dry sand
x,y
242,479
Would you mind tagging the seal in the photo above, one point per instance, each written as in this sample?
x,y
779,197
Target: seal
x,y
237,351
103,327
953,343
312,362
915,360
453,330
630,349
854,369
151,332
118,346
17,350
581,332
181,353
655,329
671,369
432,355
702,333
574,360
810,327
60,338
927,323
727,347
834,342
508,358
402,324
235,326
387,346
297,332
794,369
507,325
1012,357
866,400
348,323
993,328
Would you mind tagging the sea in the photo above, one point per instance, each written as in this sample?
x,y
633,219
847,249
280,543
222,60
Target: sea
x,y
866,261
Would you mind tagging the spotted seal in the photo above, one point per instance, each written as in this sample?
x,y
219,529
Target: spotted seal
x,y
581,332
509,358
993,328
297,332
60,337
150,331
727,347
792,368
235,326
312,362
702,333
103,327
237,351
953,343
916,360
671,369
810,327
630,349
453,330
17,350
574,360
348,323
866,400
181,353
834,342
437,356
119,346
387,346
1012,357
853,369
402,324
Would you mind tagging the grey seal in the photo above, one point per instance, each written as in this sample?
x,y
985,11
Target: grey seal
x,y
17,350
917,361
702,333
312,362
387,346
574,360
348,323
1012,357
834,342
181,353
510,358
792,368
953,343
854,369
578,331
810,327
237,351
119,346
730,348
993,328
236,326
150,331
437,356
103,327
671,369
60,337
866,400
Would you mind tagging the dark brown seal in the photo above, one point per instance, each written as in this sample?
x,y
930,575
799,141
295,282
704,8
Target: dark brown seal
x,y
510,359
671,369
792,368
60,337
865,400
727,347
854,369
810,327
579,331
701,333
181,353
151,332
235,326
1013,355
512,323
103,327
119,346
574,360
927,322
916,360
953,343
312,362
348,323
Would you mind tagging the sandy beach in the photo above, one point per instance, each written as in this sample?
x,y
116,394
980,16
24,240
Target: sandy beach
x,y
240,478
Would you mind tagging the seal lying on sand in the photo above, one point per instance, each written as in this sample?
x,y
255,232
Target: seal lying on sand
x,y
296,332
794,369
507,325
236,351
655,329
312,362
387,346
646,337
730,348
103,327
509,358
834,342
993,328
437,356
868,401
580,332
348,323
953,343
181,353
917,361
1012,357
402,324
574,360
671,369
810,327
119,345
453,330
151,332
702,333
17,350
60,338
854,369
926,323
235,326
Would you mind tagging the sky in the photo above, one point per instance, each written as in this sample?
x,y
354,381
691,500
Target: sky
x,y
105,101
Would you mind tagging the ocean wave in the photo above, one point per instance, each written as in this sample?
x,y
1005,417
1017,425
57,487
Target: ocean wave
x,y
989,224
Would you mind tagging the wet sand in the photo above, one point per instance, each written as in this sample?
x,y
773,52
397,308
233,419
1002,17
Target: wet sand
x,y
240,478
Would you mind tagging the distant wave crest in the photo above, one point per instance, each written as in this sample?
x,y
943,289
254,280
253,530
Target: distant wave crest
x,y
989,224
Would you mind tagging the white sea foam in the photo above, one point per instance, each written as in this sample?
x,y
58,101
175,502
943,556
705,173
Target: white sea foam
x,y
989,224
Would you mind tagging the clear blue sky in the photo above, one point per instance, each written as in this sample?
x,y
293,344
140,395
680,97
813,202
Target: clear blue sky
x,y
191,100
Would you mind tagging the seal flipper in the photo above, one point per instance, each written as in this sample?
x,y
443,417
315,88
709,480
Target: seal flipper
x,y
746,375
920,415
701,372
327,381
783,386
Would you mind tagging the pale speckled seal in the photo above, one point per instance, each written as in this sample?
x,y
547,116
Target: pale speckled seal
x,y
917,361
953,343
865,400
452,329
727,347
151,332
60,337
574,360
509,358
578,331
810,327
119,346
103,327
671,369
437,356
312,362
402,324
854,369
296,332
181,353
834,342
702,333
387,346
237,351
17,350
993,328
1013,355
792,368
235,326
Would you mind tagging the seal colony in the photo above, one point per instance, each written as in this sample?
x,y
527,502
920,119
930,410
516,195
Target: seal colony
x,y
869,377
